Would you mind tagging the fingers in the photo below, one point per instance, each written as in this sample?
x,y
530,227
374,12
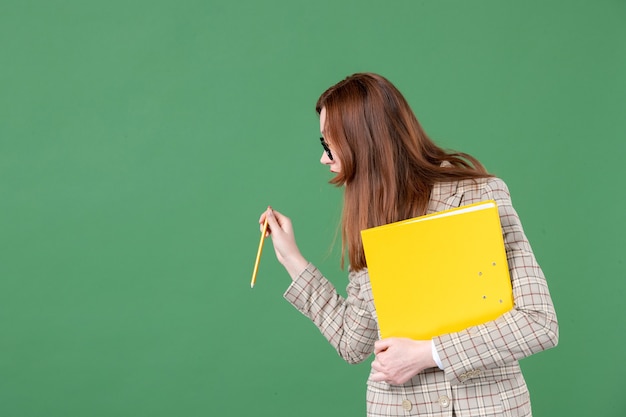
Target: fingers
x,y
383,371
279,217
262,218
264,215
380,372
276,221
272,221
382,345
378,377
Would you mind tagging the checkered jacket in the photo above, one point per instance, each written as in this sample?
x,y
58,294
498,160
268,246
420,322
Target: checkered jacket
x,y
481,375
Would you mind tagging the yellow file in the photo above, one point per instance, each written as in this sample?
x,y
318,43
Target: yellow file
x,y
439,273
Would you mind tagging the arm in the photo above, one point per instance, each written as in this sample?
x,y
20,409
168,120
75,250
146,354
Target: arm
x,y
346,323
527,329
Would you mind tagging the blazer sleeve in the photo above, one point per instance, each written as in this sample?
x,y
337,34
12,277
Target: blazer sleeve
x,y
530,327
345,322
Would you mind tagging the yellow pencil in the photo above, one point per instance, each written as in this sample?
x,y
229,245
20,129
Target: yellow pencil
x,y
258,254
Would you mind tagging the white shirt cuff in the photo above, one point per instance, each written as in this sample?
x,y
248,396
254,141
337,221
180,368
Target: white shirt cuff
x,y
436,355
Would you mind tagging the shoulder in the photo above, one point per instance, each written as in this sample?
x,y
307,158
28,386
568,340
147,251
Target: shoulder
x,y
451,194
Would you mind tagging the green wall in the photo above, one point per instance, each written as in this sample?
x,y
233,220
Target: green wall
x,y
140,141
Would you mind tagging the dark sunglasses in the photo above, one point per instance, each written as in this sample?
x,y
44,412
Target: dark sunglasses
x,y
326,148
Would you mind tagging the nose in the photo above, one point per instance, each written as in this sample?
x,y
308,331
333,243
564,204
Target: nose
x,y
325,160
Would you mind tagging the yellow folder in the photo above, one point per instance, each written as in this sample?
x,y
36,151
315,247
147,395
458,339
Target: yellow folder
x,y
438,273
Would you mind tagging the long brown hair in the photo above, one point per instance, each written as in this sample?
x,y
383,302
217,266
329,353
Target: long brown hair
x,y
388,163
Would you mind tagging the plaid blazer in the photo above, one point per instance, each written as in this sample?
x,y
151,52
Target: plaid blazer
x,y
481,375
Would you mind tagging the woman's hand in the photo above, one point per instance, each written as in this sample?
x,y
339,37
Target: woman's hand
x,y
400,359
280,229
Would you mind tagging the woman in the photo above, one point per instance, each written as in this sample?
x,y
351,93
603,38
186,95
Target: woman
x,y
390,171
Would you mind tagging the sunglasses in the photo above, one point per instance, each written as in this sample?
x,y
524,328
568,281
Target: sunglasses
x,y
326,149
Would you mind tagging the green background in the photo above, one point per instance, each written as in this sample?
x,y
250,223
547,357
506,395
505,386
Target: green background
x,y
141,140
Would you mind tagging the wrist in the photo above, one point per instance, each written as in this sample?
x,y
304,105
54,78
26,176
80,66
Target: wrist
x,y
295,266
